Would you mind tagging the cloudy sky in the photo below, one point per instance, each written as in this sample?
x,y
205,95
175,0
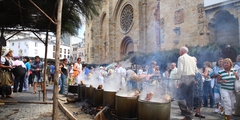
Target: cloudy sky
x,y
81,31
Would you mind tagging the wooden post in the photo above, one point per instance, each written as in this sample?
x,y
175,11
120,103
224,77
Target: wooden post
x,y
1,42
58,35
45,69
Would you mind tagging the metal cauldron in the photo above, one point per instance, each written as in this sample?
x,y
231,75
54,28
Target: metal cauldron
x,y
153,110
109,99
98,97
126,107
81,91
89,93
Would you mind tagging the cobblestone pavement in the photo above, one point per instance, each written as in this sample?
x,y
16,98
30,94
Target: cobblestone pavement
x,y
29,110
23,111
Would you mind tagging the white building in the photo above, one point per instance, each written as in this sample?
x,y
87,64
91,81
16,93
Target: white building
x,y
78,51
31,47
27,44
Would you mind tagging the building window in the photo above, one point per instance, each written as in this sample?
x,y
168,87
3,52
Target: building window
x,y
35,44
126,18
54,48
64,56
53,54
60,50
36,51
68,51
68,56
12,44
74,49
64,51
60,55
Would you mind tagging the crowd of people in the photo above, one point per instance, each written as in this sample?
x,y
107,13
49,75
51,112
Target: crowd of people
x,y
190,85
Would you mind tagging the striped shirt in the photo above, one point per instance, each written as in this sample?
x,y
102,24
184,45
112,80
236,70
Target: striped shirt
x,y
230,78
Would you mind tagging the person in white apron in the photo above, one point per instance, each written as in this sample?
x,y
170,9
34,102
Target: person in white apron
x,y
78,68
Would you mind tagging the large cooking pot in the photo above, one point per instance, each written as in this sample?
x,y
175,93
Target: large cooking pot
x,y
89,93
98,97
126,107
81,91
109,99
72,89
153,110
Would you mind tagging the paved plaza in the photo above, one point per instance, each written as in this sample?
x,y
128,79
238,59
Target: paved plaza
x,y
27,106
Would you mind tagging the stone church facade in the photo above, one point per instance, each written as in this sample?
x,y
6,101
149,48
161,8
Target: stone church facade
x,y
141,26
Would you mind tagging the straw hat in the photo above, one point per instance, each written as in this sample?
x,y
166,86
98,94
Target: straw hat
x,y
5,51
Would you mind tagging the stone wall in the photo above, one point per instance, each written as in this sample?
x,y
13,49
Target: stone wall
x,y
157,25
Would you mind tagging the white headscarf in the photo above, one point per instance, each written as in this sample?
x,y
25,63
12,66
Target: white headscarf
x,y
5,51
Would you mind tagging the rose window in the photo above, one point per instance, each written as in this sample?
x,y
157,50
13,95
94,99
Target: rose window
x,y
126,18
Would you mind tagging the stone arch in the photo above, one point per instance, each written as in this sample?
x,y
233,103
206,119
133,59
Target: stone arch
x,y
118,8
127,46
230,9
103,48
224,26
103,16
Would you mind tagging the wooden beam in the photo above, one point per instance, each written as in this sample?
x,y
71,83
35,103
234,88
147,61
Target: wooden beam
x,y
43,12
13,35
30,30
21,14
38,38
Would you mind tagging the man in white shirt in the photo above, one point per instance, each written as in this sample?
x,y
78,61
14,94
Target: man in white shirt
x,y
173,80
174,70
187,69
237,65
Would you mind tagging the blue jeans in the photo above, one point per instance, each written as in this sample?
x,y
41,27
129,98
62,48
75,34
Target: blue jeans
x,y
207,90
62,83
25,84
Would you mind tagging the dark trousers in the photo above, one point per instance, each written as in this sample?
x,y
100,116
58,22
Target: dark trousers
x,y
18,81
30,79
185,96
5,90
52,75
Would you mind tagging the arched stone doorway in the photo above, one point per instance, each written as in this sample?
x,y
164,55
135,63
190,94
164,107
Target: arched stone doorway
x,y
224,27
127,47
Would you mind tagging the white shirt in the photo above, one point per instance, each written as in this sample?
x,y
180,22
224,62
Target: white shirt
x,y
140,71
3,60
237,68
18,62
79,66
173,73
122,71
186,65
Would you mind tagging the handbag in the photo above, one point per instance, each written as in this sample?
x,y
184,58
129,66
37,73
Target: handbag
x,y
75,73
18,71
237,85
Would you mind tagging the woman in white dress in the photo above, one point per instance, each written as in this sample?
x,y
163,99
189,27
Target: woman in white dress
x,y
78,69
